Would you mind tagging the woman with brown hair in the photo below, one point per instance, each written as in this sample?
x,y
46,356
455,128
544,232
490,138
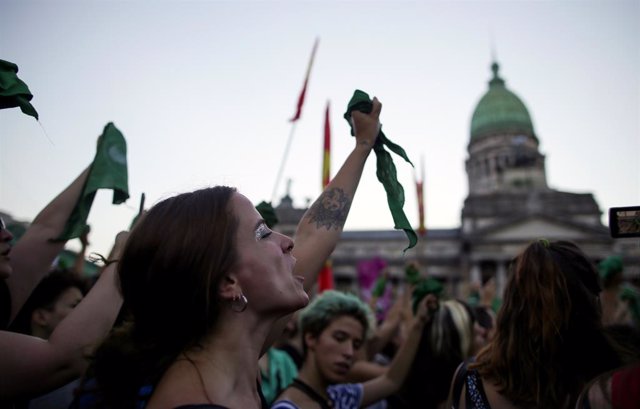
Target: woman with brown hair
x,y
209,286
549,341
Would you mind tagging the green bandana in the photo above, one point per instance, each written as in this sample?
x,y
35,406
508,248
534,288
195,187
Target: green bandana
x,y
108,171
427,286
14,92
379,286
386,170
412,274
268,213
610,266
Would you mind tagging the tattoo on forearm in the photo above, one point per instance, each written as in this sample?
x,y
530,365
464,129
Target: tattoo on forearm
x,y
330,210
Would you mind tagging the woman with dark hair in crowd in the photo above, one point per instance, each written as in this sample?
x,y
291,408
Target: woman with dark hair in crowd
x,y
209,286
549,340
447,340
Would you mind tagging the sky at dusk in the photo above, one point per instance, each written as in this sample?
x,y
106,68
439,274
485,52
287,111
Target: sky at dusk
x,y
203,91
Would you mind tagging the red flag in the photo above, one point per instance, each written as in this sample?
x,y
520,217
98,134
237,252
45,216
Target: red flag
x,y
325,279
422,230
326,156
306,82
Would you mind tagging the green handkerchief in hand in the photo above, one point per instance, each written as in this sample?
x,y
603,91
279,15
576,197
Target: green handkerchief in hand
x,y
386,169
108,171
268,213
427,286
13,91
412,274
379,286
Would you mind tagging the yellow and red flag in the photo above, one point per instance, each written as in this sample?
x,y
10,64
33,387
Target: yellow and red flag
x,y
325,279
304,86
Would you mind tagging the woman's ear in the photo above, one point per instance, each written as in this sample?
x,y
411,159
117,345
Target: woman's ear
x,y
229,287
40,317
310,341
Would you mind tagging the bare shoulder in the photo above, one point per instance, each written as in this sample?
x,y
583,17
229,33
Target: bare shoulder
x,y
179,385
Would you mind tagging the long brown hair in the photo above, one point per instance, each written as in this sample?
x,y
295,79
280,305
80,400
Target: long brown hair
x,y
549,340
169,274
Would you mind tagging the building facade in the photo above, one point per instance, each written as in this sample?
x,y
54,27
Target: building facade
x,y
509,204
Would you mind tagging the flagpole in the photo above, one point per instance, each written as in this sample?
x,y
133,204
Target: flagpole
x,y
294,120
283,162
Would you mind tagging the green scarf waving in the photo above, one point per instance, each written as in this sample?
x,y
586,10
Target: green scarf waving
x,y
108,171
268,213
386,170
13,91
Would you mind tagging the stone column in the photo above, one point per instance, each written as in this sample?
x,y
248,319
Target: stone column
x,y
474,274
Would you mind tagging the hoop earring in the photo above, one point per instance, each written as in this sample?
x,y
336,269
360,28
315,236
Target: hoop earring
x,y
239,303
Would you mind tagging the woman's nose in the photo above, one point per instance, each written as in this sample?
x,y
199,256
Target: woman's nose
x,y
287,244
348,350
5,235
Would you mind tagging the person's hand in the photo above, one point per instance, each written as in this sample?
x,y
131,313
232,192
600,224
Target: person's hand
x,y
121,240
427,307
367,126
488,292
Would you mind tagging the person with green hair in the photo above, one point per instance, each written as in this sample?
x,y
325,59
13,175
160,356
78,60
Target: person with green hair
x,y
334,327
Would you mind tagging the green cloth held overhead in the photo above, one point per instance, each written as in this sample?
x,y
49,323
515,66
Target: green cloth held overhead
x,y
412,274
379,286
427,286
268,213
108,171
13,91
610,266
386,170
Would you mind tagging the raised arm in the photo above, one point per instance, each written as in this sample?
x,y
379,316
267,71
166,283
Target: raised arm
x,y
391,381
320,228
31,365
33,254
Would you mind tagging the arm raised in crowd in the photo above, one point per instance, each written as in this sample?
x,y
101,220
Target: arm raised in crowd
x,y
391,380
33,254
320,228
31,365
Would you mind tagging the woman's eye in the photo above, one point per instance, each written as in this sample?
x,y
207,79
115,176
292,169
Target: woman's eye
x,y
339,336
262,232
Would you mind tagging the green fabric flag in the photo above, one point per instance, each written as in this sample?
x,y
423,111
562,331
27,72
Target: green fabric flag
x,y
386,169
427,286
379,286
13,91
108,171
268,213
140,210
412,274
610,266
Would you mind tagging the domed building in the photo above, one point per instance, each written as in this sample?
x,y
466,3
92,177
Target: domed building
x,y
509,202
508,205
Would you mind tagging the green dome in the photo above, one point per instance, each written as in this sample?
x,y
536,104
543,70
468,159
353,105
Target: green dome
x,y
500,111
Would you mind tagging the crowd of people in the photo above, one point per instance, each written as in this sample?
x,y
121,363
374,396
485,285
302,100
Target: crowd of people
x,y
203,305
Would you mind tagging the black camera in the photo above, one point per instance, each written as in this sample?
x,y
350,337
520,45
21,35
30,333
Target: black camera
x,y
624,221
